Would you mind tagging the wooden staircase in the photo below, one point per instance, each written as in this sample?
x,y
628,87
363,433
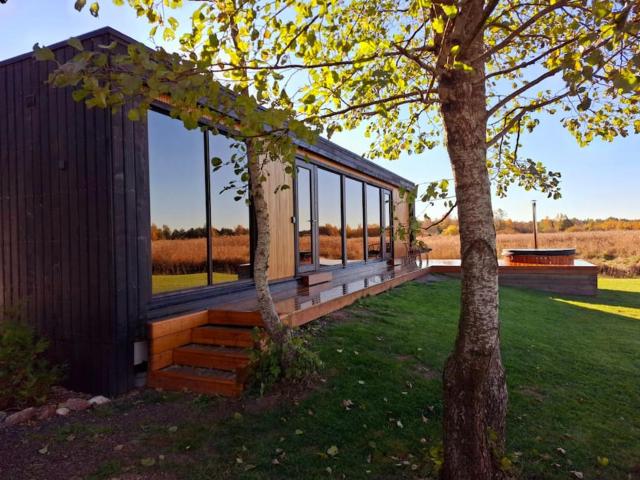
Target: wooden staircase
x,y
204,352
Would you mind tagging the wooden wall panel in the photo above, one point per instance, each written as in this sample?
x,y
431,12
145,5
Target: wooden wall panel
x,y
60,194
281,210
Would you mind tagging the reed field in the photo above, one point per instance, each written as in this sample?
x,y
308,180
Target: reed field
x,y
616,252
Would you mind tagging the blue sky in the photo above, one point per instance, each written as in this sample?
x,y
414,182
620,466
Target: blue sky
x,y
598,181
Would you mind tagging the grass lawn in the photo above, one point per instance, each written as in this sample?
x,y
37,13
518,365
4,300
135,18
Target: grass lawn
x,y
169,283
573,370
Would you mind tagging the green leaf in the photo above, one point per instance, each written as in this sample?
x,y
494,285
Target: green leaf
x,y
133,114
94,9
438,25
79,95
332,451
449,10
43,54
75,43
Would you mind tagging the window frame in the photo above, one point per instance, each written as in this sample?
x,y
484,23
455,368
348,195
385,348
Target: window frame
x,y
313,165
210,287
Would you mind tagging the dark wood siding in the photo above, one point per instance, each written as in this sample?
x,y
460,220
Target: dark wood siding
x,y
72,194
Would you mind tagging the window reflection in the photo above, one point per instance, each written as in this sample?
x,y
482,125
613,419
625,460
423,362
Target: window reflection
x,y
329,218
354,223
388,224
374,230
178,212
305,240
230,240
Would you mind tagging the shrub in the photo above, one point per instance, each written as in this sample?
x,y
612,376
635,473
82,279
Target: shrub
x,y
290,361
26,376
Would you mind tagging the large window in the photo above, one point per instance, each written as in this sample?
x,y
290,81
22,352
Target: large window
x,y
329,218
387,212
230,241
354,221
178,205
199,232
374,230
305,216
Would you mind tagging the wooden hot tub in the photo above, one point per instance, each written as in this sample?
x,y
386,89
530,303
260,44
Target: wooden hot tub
x,y
539,256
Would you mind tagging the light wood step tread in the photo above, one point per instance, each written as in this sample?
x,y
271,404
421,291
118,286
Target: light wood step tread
x,y
234,359
235,317
227,336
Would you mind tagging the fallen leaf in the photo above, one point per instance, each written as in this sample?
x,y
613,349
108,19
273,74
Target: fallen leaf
x,y
603,461
561,450
332,451
173,429
44,450
578,475
148,462
299,432
399,423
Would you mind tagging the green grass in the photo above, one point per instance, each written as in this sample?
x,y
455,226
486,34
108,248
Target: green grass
x,y
573,376
169,283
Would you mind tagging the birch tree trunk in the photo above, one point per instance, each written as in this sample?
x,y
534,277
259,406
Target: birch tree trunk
x,y
266,306
475,394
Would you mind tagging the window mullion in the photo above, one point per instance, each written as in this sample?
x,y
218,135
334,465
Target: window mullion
x,y
207,180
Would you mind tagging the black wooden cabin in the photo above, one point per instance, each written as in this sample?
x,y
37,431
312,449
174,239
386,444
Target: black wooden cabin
x,y
75,229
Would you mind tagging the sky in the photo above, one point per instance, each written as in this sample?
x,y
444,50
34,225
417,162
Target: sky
x,y
598,181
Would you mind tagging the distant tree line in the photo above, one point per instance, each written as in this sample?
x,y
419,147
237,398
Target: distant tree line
x,y
167,233
560,223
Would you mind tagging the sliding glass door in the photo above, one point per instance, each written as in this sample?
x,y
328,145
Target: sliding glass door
x,y
305,238
339,220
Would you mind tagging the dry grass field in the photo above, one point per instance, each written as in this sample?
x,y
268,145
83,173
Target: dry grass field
x,y
175,257
617,252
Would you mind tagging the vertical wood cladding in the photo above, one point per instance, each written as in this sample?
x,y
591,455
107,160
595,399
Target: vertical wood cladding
x,y
68,201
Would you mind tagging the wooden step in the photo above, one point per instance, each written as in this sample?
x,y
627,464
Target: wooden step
x,y
199,380
211,356
233,317
315,278
226,336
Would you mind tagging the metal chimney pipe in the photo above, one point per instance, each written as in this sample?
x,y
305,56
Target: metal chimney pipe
x,y
535,224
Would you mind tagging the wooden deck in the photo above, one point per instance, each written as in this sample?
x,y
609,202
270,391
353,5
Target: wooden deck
x,y
206,351
581,278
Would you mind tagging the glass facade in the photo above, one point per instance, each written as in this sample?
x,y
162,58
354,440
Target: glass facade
x,y
200,235
178,205
305,216
387,212
354,219
329,218
374,222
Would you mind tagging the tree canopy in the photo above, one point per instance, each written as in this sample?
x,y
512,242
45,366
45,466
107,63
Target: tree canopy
x,y
327,65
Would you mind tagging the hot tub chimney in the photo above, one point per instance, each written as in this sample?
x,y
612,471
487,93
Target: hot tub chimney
x,y
535,225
